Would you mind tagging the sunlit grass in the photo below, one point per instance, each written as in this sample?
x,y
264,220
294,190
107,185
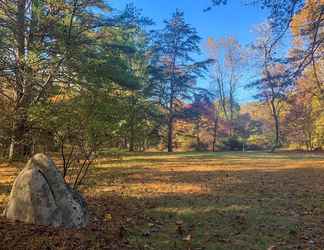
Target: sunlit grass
x,y
210,200
7,176
224,200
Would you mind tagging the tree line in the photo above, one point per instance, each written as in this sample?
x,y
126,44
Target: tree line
x,y
80,78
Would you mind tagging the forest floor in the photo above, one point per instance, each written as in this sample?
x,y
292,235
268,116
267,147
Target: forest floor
x,y
189,201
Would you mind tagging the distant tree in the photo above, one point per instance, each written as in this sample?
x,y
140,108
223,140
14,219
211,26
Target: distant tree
x,y
303,121
274,82
198,113
139,112
226,73
299,122
260,127
213,117
140,121
176,70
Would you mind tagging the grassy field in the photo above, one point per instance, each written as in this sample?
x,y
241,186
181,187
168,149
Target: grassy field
x,y
190,201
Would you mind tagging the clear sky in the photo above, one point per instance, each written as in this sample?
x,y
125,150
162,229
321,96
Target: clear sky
x,y
234,19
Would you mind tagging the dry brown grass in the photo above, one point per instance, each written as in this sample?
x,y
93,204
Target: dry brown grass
x,y
7,175
195,201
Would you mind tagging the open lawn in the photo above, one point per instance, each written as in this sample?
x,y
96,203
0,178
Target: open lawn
x,y
190,201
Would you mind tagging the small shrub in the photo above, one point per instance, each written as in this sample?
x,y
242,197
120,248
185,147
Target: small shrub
x,y
199,146
232,144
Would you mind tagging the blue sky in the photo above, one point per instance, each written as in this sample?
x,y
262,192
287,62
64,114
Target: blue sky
x,y
234,19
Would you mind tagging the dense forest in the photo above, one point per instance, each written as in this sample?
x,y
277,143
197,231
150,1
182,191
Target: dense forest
x,y
79,78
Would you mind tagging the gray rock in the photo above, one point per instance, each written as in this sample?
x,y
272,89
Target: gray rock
x,y
40,196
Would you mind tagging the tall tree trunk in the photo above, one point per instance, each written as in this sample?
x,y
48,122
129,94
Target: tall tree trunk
x,y
125,142
277,126
21,145
132,121
171,116
171,103
131,142
231,112
170,133
131,137
215,134
198,132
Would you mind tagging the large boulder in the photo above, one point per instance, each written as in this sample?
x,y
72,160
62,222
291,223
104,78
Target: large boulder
x,y
40,196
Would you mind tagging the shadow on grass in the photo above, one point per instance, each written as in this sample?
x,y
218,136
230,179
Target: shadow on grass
x,y
5,188
189,203
221,209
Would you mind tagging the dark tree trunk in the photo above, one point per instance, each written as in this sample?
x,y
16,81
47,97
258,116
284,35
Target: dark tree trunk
x,y
215,134
198,132
131,140
21,143
170,134
277,127
132,103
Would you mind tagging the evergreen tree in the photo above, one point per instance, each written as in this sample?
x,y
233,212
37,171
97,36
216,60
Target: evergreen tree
x,y
176,70
50,47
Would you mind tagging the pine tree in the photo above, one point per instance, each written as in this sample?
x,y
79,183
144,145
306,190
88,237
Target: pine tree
x,y
176,70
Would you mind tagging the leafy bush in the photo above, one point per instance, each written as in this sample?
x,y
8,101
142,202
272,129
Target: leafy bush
x,y
259,142
255,147
232,144
199,146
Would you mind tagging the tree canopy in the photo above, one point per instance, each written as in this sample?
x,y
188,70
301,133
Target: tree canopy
x,y
80,78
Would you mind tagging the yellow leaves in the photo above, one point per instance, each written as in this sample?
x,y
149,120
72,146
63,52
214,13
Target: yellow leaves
x,y
108,217
306,16
253,200
7,176
319,130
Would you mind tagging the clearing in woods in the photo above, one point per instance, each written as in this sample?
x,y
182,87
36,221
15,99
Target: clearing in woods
x,y
190,201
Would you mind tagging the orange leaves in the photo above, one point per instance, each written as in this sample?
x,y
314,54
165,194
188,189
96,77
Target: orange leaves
x,y
241,201
304,18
